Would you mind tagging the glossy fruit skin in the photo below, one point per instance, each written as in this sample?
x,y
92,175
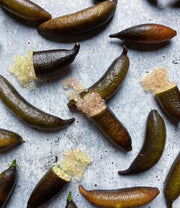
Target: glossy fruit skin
x,y
8,180
113,129
172,184
26,10
70,203
47,63
27,112
8,140
146,34
81,21
169,100
153,146
123,198
46,190
109,83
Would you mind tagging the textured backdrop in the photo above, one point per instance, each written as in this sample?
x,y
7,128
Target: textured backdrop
x,y
130,104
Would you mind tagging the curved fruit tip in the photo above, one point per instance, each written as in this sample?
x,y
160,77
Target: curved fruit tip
x,y
126,145
153,111
69,121
153,114
155,192
128,148
13,164
76,47
175,33
82,190
168,203
21,140
47,16
125,49
113,35
115,1
124,172
69,197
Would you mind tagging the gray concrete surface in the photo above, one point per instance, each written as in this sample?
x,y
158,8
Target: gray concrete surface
x,y
131,104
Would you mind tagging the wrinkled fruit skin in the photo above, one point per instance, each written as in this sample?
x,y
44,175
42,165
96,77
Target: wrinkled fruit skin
x,y
112,128
169,100
47,63
146,34
71,204
124,198
8,140
79,22
172,184
48,187
110,82
8,180
27,112
26,10
153,146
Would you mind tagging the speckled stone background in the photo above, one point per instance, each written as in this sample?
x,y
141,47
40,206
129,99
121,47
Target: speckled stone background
x,y
131,104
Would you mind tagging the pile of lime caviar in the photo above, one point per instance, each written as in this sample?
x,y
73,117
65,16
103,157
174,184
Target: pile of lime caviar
x,y
23,70
157,81
91,104
75,85
74,163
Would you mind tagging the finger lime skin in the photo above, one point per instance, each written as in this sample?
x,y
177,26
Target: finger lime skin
x,y
113,129
81,21
109,83
146,34
123,198
106,87
70,203
26,10
27,112
172,184
169,100
8,140
8,180
47,63
46,190
153,145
